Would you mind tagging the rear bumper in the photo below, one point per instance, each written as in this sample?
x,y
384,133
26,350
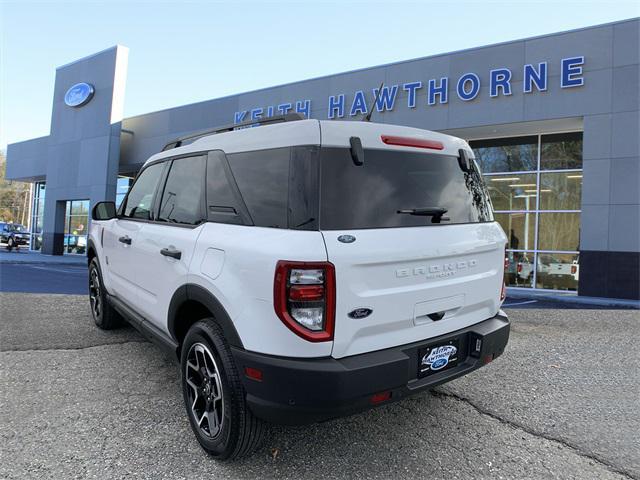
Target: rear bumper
x,y
299,391
17,241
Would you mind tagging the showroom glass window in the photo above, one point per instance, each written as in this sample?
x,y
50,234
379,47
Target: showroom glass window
x,y
76,227
37,215
535,183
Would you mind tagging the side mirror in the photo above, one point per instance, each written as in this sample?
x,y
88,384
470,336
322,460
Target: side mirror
x,y
103,211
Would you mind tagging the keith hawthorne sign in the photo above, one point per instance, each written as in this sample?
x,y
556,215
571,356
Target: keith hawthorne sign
x,y
435,91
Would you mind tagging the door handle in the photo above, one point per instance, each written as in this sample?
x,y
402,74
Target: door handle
x,y
171,252
125,239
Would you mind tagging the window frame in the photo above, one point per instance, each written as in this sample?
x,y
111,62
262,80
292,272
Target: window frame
x,y
242,208
120,212
38,194
536,251
155,202
241,212
288,179
162,185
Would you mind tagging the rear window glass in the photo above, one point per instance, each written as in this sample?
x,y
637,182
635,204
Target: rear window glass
x,y
370,196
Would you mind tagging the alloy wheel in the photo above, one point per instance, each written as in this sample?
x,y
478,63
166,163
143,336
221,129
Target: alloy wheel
x,y
95,297
205,390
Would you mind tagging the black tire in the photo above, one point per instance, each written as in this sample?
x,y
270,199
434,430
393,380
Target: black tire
x,y
10,244
104,315
238,433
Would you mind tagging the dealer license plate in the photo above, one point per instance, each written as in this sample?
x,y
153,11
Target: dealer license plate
x,y
437,358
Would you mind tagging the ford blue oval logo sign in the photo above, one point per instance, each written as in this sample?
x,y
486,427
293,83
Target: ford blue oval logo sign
x,y
79,94
439,363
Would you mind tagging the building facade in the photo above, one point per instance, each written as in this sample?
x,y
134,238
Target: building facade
x,y
553,121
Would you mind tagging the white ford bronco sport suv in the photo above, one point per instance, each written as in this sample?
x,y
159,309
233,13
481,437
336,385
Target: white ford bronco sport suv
x,y
304,270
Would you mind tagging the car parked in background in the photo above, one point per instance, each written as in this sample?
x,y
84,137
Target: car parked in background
x,y
557,274
13,235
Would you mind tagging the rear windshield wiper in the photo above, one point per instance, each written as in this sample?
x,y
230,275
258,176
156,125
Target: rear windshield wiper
x,y
435,212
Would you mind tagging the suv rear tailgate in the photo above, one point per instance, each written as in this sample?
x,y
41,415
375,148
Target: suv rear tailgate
x,y
403,275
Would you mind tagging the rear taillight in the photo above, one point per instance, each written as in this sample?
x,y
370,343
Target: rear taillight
x,y
503,291
304,297
380,397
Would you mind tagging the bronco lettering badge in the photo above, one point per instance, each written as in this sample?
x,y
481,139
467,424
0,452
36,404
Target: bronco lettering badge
x,y
437,270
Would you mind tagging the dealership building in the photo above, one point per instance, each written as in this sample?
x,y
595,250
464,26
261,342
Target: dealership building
x,y
553,121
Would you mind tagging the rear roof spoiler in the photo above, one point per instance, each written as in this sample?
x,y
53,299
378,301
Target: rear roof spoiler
x,y
289,117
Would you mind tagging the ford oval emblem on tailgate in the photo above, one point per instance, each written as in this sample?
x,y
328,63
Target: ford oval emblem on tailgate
x,y
346,238
360,313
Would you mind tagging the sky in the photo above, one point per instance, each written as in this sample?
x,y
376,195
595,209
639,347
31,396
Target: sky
x,y
187,51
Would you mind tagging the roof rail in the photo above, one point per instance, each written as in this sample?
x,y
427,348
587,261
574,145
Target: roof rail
x,y
289,117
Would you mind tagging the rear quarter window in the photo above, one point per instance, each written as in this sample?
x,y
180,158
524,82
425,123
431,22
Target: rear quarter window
x,y
262,177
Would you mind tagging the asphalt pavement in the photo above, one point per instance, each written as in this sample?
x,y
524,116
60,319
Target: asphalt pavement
x,y
560,403
43,278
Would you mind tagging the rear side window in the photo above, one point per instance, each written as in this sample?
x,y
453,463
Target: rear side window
x,y
224,204
140,198
263,179
370,196
183,196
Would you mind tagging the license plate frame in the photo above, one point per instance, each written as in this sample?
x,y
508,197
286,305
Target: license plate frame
x,y
438,357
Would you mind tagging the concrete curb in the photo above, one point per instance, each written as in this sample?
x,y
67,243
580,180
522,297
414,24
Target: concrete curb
x,y
31,258
41,263
574,299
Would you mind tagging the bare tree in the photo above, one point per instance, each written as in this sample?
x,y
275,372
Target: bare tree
x,y
14,197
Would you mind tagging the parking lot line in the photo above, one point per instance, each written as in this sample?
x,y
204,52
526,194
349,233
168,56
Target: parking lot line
x,y
520,303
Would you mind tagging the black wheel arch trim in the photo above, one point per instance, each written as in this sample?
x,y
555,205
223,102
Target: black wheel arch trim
x,y
203,296
91,246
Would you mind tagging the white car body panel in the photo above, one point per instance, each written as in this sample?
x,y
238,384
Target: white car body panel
x,y
244,286
119,266
157,276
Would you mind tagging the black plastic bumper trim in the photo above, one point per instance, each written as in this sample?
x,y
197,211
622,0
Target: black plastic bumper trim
x,y
298,391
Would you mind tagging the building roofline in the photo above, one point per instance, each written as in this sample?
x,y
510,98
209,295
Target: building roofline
x,y
385,65
115,47
35,139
